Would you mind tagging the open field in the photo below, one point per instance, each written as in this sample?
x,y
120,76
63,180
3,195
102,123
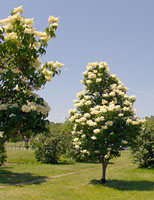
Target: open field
x,y
125,181
15,145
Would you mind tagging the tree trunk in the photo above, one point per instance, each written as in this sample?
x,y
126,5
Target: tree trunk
x,y
104,166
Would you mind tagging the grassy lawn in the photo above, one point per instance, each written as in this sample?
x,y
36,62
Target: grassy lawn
x,y
125,181
16,145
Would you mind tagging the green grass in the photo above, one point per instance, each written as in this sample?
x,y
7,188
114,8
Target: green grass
x,y
20,156
125,181
17,145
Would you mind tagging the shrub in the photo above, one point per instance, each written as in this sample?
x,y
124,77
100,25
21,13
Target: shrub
x,y
47,148
54,147
143,149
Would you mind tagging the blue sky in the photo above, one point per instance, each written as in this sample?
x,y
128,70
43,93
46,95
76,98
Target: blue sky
x,y
119,32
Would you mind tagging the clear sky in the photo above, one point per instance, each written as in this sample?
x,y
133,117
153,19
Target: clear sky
x,y
119,32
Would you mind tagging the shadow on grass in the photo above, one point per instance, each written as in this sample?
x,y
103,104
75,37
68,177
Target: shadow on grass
x,y
8,178
125,185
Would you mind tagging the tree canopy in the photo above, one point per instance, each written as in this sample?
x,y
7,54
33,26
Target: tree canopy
x,y
22,73
104,119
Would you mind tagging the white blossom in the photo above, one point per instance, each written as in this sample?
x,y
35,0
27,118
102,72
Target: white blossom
x,y
104,127
87,115
52,19
112,94
77,146
104,101
91,75
133,98
12,115
3,106
18,10
87,97
93,137
88,103
98,80
103,64
96,131
76,139
88,82
80,94
10,36
72,111
84,151
83,136
30,22
1,134
109,123
126,108
91,123
93,64
58,64
26,108
8,27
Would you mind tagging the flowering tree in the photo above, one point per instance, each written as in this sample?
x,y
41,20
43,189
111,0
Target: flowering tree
x,y
103,120
21,73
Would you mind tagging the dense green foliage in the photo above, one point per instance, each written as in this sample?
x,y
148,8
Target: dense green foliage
x,y
55,146
143,149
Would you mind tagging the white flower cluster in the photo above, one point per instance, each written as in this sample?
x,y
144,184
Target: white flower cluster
x,y
10,36
5,106
18,10
76,143
134,121
3,71
31,106
10,19
27,24
58,64
53,21
94,72
96,131
80,94
1,134
93,137
44,109
84,151
48,73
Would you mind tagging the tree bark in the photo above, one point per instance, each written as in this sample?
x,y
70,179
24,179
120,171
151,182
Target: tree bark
x,y
104,166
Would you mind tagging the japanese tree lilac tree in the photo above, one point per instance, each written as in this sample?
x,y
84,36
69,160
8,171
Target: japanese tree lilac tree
x,y
21,73
103,119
